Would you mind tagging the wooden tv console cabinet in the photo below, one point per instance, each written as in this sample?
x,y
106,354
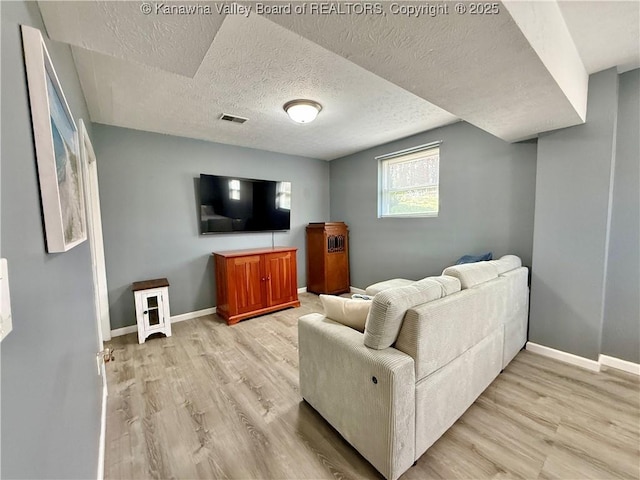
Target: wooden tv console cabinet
x,y
255,282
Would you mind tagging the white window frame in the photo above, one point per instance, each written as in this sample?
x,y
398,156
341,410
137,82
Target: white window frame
x,y
410,154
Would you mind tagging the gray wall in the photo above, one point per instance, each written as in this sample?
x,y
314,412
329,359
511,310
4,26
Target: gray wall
x,y
50,390
151,218
571,220
486,204
621,329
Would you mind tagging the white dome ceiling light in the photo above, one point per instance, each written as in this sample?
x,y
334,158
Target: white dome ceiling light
x,y
302,111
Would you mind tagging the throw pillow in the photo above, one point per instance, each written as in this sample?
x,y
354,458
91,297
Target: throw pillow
x,y
474,258
350,312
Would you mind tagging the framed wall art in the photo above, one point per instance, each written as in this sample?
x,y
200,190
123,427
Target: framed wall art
x,y
57,149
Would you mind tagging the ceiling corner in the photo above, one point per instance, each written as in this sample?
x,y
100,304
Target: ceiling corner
x,y
544,27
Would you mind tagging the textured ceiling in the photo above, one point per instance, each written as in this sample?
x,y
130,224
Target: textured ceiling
x,y
480,68
269,66
378,77
607,34
176,43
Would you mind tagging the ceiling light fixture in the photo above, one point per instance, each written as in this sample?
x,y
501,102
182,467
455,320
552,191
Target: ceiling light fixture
x,y
302,111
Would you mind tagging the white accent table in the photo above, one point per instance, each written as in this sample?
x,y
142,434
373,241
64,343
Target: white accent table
x,y
152,307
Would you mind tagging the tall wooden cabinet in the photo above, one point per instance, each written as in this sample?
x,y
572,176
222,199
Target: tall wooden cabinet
x,y
328,258
255,282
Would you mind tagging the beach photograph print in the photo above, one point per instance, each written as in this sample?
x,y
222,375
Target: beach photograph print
x,y
68,174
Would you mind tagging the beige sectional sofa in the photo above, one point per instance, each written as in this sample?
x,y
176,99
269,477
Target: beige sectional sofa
x,y
428,350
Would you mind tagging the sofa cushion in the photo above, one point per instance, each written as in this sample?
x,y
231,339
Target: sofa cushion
x,y
386,285
448,284
350,312
507,263
388,310
472,274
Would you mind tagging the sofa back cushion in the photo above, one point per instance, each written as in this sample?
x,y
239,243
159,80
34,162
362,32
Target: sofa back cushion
x,y
435,333
376,288
448,284
390,306
472,274
506,263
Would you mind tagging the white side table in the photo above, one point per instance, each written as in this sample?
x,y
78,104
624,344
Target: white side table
x,y
152,307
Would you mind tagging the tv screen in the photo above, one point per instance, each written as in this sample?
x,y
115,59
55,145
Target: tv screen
x,y
233,204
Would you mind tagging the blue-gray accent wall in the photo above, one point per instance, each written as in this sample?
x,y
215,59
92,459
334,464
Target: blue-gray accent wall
x,y
150,213
621,322
51,393
487,191
584,292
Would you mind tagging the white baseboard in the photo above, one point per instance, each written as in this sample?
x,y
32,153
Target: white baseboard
x,y
589,364
190,315
302,290
619,364
174,319
118,332
564,356
103,429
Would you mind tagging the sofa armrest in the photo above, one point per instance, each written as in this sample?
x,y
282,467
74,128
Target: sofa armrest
x,y
367,395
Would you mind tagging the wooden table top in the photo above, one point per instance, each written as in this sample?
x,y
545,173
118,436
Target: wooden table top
x,y
149,284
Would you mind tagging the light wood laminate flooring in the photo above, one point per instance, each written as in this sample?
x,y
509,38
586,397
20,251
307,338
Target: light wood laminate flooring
x,y
218,402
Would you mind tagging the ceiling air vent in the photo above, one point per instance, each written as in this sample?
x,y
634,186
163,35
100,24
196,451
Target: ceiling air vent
x,y
232,118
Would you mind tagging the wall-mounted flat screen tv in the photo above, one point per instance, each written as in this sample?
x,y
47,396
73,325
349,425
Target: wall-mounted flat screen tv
x,y
234,204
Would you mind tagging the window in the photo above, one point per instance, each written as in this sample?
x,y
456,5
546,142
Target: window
x,y
234,189
409,182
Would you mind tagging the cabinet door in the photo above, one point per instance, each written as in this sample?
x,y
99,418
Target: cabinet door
x,y
281,275
247,285
153,310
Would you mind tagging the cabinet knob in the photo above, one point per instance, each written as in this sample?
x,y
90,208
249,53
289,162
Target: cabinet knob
x,y
145,312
